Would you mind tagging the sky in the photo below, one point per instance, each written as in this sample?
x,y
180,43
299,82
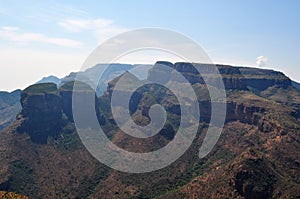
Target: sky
x,y
42,38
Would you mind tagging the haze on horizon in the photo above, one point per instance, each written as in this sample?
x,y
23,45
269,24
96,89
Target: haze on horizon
x,y
39,39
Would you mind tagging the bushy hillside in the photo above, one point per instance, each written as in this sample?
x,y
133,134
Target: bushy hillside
x,y
257,155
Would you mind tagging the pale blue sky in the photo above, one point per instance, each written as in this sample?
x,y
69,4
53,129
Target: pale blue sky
x,y
39,38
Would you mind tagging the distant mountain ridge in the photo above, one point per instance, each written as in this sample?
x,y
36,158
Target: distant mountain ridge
x,y
12,105
92,75
50,79
9,107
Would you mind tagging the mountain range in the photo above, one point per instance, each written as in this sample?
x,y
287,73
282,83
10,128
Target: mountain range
x,y
50,79
257,155
10,106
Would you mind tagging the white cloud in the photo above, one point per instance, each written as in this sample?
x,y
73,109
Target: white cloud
x,y
14,34
102,29
261,61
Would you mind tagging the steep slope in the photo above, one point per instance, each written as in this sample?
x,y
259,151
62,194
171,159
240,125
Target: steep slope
x,y
257,155
91,75
41,154
42,112
296,85
9,107
10,104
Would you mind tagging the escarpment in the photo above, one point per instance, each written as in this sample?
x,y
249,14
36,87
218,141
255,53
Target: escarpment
x,y
256,155
41,113
47,109
242,78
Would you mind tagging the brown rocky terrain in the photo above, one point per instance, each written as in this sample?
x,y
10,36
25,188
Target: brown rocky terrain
x,y
11,195
257,155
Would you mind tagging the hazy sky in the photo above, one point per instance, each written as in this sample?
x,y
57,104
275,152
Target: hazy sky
x,y
41,38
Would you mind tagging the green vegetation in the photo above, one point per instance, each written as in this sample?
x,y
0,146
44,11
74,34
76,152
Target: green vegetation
x,y
23,180
67,141
257,150
42,88
80,86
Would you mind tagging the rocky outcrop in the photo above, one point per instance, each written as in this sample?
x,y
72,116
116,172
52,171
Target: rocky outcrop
x,y
257,79
244,113
47,109
66,93
269,169
44,105
66,97
42,112
262,83
254,175
241,78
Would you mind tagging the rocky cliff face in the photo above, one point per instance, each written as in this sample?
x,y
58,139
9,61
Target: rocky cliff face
x,y
42,112
245,113
232,77
241,78
44,106
256,156
47,109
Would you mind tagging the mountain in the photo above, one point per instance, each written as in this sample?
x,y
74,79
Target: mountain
x,y
296,85
257,155
9,107
92,74
10,104
111,71
50,79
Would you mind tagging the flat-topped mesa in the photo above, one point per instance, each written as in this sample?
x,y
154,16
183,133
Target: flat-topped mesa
x,y
186,67
66,93
161,72
241,78
41,113
47,109
261,79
